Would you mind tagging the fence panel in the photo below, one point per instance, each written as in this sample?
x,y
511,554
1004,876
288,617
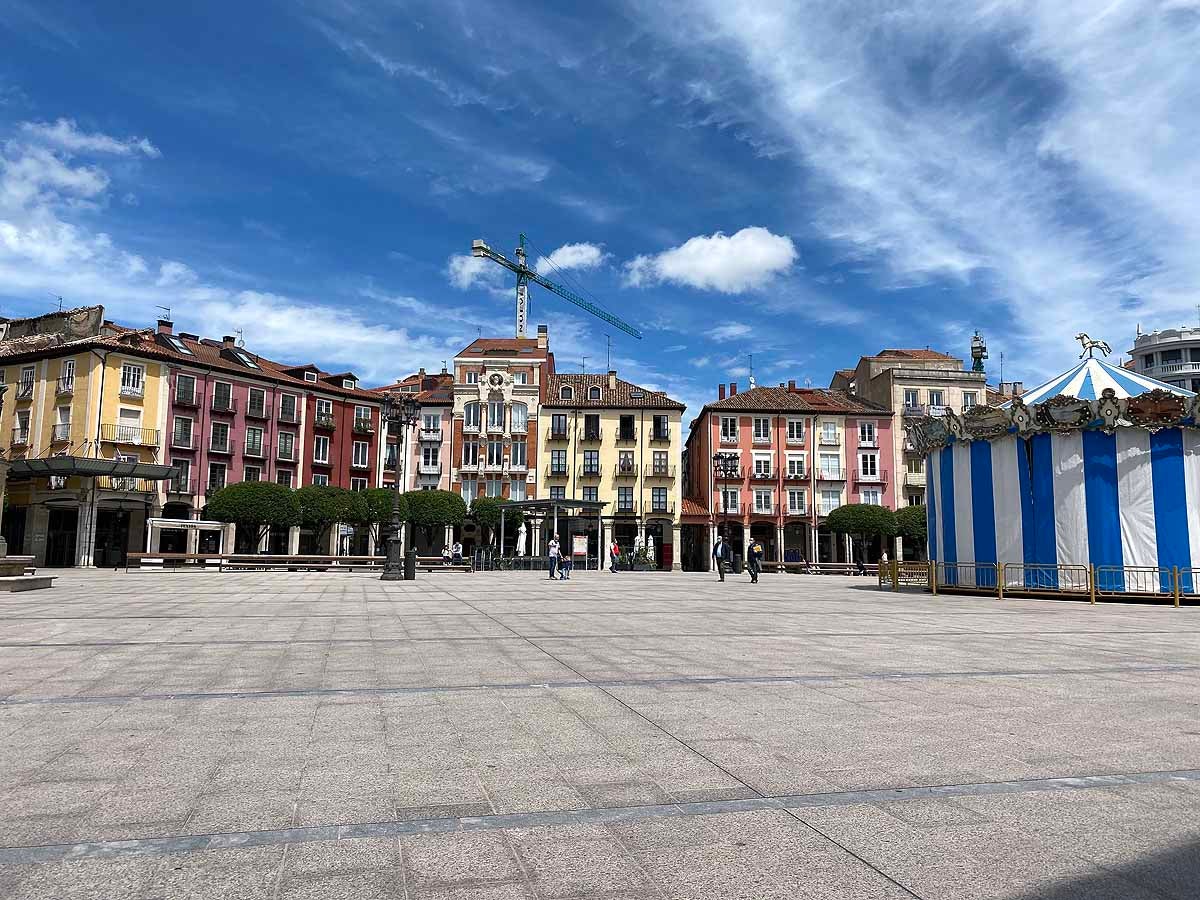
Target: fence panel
x,y
1037,578
1189,582
980,576
1113,580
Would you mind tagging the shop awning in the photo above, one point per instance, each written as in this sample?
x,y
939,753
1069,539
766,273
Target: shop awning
x,y
87,467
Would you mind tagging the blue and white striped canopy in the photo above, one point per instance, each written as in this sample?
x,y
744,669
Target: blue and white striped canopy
x,y
1089,379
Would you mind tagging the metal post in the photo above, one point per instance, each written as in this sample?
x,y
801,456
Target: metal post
x,y
1178,584
1000,580
896,575
933,576
502,532
398,565
1092,584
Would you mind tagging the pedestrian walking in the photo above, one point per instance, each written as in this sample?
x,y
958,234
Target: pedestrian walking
x,y
720,556
614,554
552,556
565,562
754,563
456,552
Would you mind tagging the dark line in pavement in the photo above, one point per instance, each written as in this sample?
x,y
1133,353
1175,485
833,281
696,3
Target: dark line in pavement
x,y
599,683
191,843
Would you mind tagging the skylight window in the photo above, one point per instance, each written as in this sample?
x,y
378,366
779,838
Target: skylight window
x,y
244,358
177,345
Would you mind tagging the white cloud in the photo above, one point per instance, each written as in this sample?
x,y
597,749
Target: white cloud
x,y
467,272
65,133
700,362
730,264
730,331
571,256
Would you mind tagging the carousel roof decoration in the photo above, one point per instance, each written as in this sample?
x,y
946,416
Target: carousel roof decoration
x,y
1093,394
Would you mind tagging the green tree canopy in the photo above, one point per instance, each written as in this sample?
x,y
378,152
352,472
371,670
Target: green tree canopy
x,y
913,526
379,505
257,506
428,510
862,521
485,511
322,505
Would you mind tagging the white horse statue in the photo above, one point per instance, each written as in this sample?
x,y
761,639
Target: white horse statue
x,y
1090,346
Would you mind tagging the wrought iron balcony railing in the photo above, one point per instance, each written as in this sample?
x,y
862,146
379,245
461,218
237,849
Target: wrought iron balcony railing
x,y
129,434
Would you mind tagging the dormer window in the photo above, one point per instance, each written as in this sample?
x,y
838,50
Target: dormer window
x,y
349,383
176,344
593,393
565,393
310,377
244,358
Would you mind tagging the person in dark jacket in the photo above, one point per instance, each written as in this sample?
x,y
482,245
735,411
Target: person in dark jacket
x,y
754,561
721,556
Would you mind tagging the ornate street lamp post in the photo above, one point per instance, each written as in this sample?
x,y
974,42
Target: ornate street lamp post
x,y
401,412
725,466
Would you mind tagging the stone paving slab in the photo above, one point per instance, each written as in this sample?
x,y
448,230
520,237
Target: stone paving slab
x,y
475,736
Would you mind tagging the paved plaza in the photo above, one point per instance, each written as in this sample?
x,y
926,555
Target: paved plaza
x,y
492,737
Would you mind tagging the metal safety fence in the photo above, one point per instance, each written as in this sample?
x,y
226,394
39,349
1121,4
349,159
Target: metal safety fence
x,y
1169,584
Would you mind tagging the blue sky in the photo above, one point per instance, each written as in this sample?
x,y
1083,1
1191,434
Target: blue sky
x,y
807,182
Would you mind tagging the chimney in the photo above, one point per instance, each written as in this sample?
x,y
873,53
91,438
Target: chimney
x,y
792,385
543,337
1018,388
721,391
228,341
612,379
421,373
732,388
165,326
188,336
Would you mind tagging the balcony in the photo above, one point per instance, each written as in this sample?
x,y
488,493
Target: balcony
x,y
20,437
827,473
730,439
25,390
61,432
797,511
129,434
914,479
514,466
495,427
625,436
179,485
657,471
729,509
133,391
1171,368
286,454
657,436
363,464
556,434
587,471
126,485
795,440
827,508
796,475
65,385
497,466
212,487
553,471
186,398
868,443
433,435
519,427
592,435
767,509
625,470
253,450
215,446
325,420
257,411
761,440
224,405
735,474
429,468
287,416
830,440
879,477
470,427
915,410
625,509
660,509
758,475
364,426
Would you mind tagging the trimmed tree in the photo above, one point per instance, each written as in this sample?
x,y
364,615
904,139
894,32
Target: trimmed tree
x,y
323,505
428,510
485,512
379,509
862,521
913,526
256,506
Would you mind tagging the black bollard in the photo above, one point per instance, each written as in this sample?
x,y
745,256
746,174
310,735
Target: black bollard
x,y
410,564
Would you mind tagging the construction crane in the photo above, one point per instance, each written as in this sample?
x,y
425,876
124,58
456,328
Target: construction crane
x,y
525,275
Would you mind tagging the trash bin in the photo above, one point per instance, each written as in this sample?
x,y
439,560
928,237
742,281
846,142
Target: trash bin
x,y
736,568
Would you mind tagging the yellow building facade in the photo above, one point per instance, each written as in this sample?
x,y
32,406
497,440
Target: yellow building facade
x,y
604,439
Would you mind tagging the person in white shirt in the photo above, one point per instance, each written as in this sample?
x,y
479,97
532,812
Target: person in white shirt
x,y
552,553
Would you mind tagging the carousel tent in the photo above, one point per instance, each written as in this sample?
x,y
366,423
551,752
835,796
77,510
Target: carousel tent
x,y
1096,468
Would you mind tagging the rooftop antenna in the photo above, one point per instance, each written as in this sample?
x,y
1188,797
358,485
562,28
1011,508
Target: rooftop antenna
x,y
583,366
1002,365
166,310
241,341
752,382
60,304
608,340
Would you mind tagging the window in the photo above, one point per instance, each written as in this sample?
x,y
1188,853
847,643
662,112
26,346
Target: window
x,y
969,399
520,378
472,376
516,490
471,417
517,455
520,418
287,445
176,344
762,430
21,431
795,431
66,379
324,409
311,378
431,455
320,449
591,493
256,403
287,407
831,465
179,481
912,398
866,434
284,477
254,442
222,395
558,462
661,429
319,478
252,473
729,500
495,415
591,427
661,463
181,433
593,393
495,487
916,500
358,484
363,414
762,465
389,459
762,501
796,465
797,501
358,454
626,430
132,379
915,465
830,500
558,492
495,453
868,465
349,383
937,398
558,425
216,476
624,499
220,436
729,429
829,433
469,490
872,496
433,422
658,499
62,423
470,454
591,462
566,393
625,462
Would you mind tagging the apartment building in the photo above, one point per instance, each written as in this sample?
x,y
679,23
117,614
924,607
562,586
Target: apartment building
x,y
800,453
428,462
912,384
1171,355
605,439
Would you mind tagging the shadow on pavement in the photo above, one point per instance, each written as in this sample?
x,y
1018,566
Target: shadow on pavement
x,y
1173,873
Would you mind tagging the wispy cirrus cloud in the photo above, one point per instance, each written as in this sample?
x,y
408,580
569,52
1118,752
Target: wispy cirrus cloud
x,y
66,134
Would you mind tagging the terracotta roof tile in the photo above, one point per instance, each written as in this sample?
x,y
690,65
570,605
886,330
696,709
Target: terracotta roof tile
x,y
809,400
913,354
623,396
504,346
693,507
